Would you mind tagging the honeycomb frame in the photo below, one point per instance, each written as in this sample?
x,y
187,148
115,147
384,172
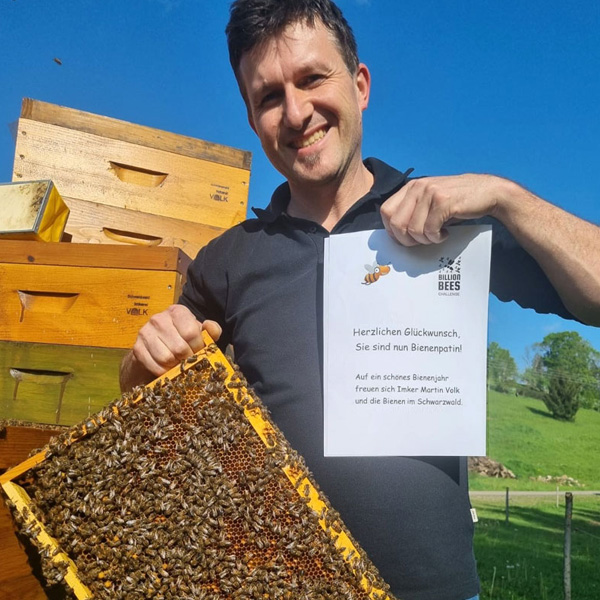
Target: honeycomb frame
x,y
278,544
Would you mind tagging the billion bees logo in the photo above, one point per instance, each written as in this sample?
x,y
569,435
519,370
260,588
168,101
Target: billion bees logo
x,y
449,276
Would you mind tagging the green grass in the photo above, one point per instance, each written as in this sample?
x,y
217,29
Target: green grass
x,y
523,560
526,439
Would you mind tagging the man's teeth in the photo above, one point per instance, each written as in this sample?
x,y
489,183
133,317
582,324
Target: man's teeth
x,y
315,137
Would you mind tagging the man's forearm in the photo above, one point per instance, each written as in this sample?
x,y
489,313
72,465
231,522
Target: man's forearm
x,y
566,248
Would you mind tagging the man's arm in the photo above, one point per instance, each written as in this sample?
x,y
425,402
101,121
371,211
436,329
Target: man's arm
x,y
163,342
566,248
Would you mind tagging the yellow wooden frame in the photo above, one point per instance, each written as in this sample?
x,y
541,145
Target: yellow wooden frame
x,y
260,424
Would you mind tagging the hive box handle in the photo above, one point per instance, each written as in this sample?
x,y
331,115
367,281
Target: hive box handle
x,y
137,175
39,376
42,377
45,302
131,237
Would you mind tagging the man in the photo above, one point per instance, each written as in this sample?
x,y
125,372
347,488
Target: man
x,y
259,285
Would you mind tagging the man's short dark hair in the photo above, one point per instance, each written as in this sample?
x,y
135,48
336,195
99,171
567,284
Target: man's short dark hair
x,y
252,22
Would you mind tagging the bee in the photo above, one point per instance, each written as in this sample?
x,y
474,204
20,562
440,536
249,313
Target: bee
x,y
374,272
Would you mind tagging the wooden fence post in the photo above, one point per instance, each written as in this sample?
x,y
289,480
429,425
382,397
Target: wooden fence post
x,y
567,564
506,507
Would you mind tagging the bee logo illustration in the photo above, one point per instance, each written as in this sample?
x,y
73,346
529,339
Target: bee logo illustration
x,y
450,264
374,272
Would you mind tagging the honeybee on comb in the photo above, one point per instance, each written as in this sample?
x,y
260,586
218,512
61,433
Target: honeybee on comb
x,y
187,490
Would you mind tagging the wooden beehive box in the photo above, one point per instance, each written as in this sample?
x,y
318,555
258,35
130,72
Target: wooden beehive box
x,y
131,184
17,582
69,312
18,439
84,294
56,384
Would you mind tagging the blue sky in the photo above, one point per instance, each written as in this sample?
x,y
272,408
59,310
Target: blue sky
x,y
510,87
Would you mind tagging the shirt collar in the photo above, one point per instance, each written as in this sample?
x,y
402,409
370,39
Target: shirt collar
x,y
386,180
278,205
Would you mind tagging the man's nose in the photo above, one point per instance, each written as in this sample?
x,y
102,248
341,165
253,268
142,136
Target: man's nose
x,y
298,108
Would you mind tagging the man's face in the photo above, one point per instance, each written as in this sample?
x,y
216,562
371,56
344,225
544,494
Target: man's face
x,y
305,106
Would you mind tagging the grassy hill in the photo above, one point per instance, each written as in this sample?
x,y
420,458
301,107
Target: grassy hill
x,y
524,437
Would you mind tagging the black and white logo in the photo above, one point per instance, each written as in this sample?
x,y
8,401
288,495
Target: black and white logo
x,y
449,276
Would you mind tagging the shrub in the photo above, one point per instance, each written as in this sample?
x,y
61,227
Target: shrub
x,y
563,397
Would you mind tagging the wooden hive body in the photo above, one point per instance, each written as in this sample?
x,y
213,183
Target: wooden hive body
x,y
17,440
127,183
69,313
84,294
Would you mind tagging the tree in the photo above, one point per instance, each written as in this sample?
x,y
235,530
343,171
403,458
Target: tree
x,y
502,368
563,398
534,376
567,357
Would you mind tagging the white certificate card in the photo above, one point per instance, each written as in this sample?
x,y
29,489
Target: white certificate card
x,y
405,344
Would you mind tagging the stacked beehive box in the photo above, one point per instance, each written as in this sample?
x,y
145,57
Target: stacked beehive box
x,y
16,579
68,315
131,184
142,202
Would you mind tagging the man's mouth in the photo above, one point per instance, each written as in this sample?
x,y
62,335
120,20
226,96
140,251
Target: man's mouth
x,y
310,140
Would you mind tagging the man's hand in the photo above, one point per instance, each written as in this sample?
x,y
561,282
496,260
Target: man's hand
x,y
163,342
418,212
566,247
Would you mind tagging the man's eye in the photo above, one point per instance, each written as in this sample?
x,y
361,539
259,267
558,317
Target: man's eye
x,y
312,79
268,99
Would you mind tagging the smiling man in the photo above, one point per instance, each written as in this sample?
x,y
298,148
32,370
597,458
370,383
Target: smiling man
x,y
259,285
305,105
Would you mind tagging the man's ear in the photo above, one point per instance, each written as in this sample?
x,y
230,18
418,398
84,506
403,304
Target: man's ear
x,y
363,85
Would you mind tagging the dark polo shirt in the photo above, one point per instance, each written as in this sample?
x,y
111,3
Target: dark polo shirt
x,y
262,281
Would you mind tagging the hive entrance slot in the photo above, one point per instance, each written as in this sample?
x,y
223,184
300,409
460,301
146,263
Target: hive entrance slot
x,y
42,377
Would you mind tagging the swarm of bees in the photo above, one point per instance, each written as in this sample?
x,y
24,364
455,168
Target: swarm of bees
x,y
186,490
